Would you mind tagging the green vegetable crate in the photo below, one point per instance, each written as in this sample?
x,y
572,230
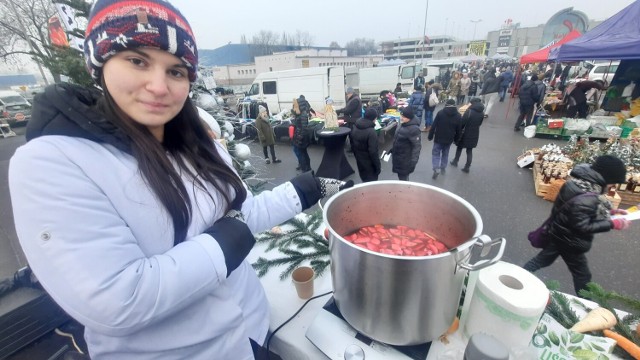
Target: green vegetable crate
x,y
543,131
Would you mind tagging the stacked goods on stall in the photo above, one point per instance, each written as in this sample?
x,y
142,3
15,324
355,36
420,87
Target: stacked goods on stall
x,y
552,166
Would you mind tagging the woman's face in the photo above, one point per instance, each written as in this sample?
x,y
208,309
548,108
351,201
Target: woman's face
x,y
149,85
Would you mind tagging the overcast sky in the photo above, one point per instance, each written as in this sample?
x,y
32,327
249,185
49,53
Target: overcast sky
x,y
217,23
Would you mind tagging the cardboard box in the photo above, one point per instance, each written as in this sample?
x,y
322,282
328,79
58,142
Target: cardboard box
x,y
526,159
555,123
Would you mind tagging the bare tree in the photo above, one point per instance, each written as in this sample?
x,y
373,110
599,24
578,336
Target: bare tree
x,y
264,41
361,46
334,45
243,39
304,38
23,29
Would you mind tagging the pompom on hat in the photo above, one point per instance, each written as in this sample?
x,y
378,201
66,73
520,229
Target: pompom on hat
x,y
116,26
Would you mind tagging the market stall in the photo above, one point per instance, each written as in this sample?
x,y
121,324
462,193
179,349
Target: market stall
x,y
297,332
552,164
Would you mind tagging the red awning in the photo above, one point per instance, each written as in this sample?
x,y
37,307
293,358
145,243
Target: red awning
x,y
542,54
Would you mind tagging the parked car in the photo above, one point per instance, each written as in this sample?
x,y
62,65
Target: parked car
x,y
14,109
604,71
223,91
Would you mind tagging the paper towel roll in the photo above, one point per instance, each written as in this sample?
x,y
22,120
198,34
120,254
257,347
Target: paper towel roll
x,y
507,303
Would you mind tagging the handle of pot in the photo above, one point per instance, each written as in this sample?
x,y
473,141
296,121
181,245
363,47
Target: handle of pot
x,y
485,244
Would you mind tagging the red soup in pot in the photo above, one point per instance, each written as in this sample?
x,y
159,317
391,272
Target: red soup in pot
x,y
396,240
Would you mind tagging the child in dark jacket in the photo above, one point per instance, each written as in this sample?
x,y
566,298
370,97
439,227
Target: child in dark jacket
x,y
406,145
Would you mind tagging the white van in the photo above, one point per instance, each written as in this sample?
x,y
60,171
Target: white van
x,y
279,88
604,71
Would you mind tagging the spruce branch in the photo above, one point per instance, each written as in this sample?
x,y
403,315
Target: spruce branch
x,y
297,241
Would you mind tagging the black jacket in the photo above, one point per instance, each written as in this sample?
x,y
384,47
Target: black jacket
x,y
352,110
528,93
572,226
491,84
365,149
471,121
301,135
406,147
446,126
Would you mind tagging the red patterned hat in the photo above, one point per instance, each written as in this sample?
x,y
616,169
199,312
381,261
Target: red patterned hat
x,y
115,26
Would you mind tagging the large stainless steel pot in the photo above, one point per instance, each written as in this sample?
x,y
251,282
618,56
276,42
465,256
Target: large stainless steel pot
x,y
404,300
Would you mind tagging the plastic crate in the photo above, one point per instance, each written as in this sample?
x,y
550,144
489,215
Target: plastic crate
x,y
543,131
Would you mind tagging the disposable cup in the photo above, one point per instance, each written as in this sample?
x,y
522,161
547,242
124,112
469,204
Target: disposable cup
x,y
303,280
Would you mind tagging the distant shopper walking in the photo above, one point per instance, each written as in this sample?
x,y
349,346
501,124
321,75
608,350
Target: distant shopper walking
x,y
490,88
444,131
265,134
470,128
429,105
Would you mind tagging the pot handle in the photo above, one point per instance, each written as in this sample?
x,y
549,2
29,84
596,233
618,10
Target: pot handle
x,y
485,243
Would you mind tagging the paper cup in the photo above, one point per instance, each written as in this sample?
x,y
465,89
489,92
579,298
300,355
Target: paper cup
x,y
303,280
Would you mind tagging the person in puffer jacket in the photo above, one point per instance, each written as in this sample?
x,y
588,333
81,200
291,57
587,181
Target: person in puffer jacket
x,y
580,211
416,101
445,130
405,152
471,121
528,96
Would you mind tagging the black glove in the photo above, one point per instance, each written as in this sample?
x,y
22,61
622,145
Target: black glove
x,y
234,237
311,188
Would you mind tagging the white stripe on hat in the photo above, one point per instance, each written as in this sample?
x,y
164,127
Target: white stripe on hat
x,y
172,40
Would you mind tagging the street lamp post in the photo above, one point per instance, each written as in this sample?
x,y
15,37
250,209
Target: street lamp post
x,y
424,32
475,25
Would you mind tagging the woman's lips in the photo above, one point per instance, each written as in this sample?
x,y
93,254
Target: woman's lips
x,y
154,106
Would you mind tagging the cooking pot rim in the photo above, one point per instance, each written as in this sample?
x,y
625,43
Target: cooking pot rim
x,y
465,245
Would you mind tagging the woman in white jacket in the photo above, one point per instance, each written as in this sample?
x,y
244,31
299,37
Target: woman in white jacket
x,y
132,218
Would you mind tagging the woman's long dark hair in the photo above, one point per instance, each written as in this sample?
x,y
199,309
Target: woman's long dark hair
x,y
194,152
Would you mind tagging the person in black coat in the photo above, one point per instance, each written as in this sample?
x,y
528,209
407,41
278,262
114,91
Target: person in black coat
x,y
572,227
406,145
470,128
352,111
365,146
528,96
444,131
301,136
578,98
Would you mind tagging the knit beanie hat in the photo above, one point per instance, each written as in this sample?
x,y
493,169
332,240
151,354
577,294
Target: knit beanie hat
x,y
450,102
611,168
407,112
114,26
261,108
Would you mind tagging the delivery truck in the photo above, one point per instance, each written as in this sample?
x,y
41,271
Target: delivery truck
x,y
278,88
369,82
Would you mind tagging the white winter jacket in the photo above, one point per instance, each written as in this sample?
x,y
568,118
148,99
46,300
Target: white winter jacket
x,y
102,245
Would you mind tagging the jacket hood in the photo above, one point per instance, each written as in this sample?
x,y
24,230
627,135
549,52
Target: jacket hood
x,y
363,123
477,107
70,110
585,172
450,110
